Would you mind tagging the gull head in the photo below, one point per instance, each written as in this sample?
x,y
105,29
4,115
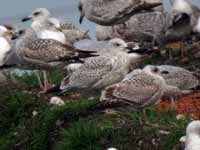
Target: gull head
x,y
161,70
53,24
153,70
193,128
182,6
117,43
6,31
37,15
18,34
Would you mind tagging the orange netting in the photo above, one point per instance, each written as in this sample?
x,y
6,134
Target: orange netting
x,y
188,105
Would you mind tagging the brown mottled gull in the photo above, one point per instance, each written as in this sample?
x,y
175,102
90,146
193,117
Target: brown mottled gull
x,y
101,71
139,89
43,54
182,79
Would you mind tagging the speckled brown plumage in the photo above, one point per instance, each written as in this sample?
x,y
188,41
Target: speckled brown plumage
x,y
142,89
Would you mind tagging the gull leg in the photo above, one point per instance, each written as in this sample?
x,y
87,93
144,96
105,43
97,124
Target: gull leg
x,y
184,53
47,85
39,79
173,104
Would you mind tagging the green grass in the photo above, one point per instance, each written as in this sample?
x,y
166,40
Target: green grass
x,y
30,78
88,133
20,130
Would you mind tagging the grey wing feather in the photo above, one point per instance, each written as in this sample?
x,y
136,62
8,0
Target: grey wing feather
x,y
91,45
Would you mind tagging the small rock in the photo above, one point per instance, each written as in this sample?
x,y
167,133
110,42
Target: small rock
x,y
112,148
34,113
183,139
59,122
91,98
57,101
180,117
140,143
164,132
15,133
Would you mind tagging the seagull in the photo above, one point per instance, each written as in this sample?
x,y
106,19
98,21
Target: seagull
x,y
43,54
139,89
45,26
192,138
180,22
113,12
101,47
157,27
178,76
140,27
65,30
99,72
182,80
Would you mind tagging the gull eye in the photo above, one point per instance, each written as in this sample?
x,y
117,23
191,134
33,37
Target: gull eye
x,y
50,24
165,72
21,32
117,44
155,69
36,13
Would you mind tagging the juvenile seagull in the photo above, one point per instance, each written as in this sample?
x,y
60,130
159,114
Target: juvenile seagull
x,y
140,27
43,54
41,17
182,79
113,12
180,22
101,47
101,71
139,89
177,76
192,138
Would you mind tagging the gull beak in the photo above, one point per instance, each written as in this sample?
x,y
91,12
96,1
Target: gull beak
x,y
139,54
81,18
26,19
59,29
14,36
9,33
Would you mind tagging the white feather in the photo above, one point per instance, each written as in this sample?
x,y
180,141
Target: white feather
x,y
46,34
182,6
192,142
4,48
2,30
193,136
